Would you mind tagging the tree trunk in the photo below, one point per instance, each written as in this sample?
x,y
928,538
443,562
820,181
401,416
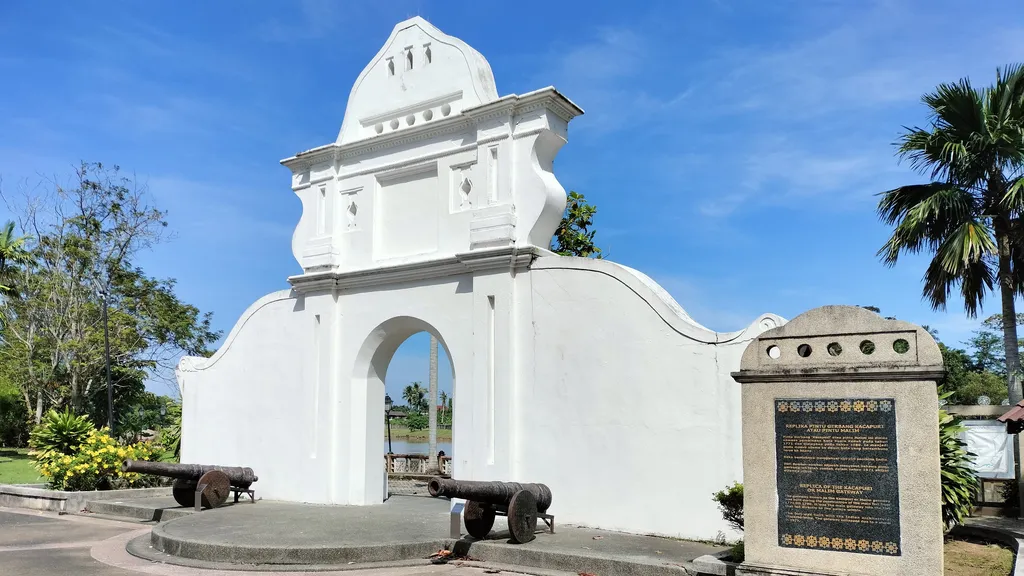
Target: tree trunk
x,y
74,392
28,401
1010,342
39,407
432,464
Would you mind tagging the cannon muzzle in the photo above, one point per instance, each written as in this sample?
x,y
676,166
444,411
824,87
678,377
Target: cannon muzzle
x,y
498,493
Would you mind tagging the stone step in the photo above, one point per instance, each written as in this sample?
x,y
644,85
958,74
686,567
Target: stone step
x,y
142,509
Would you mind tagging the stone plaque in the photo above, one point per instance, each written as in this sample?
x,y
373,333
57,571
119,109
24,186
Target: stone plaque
x,y
836,472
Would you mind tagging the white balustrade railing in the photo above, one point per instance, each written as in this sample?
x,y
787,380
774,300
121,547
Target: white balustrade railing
x,y
414,464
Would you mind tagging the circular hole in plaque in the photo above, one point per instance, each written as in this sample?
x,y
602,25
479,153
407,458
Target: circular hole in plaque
x,y
867,347
834,349
901,346
774,352
803,350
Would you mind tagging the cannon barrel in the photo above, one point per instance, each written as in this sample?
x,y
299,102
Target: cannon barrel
x,y
239,476
499,493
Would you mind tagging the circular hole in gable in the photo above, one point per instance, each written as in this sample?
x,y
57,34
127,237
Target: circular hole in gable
x,y
834,349
774,352
378,127
410,119
428,114
446,109
867,347
803,350
901,346
394,124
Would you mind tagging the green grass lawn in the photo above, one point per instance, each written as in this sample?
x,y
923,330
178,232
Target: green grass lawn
x,y
16,467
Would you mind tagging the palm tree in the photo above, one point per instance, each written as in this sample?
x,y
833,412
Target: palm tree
x,y
444,406
12,254
432,408
969,216
415,396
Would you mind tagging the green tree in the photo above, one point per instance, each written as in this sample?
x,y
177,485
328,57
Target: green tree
x,y
86,237
13,254
987,344
968,216
958,366
573,237
415,396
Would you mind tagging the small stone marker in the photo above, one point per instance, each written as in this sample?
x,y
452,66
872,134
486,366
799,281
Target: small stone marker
x,y
841,447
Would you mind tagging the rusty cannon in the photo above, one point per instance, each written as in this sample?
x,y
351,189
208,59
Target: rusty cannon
x,y
522,504
199,485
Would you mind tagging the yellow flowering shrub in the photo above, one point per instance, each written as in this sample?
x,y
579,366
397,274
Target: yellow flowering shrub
x,y
95,465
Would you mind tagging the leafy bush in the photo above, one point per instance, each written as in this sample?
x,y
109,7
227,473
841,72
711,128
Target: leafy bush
x,y
13,420
417,421
58,434
959,482
170,435
736,552
95,465
730,502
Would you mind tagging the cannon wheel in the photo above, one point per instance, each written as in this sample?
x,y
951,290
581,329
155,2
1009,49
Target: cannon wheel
x,y
216,490
479,519
184,492
522,517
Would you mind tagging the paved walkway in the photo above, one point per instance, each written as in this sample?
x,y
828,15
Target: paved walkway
x,y
44,544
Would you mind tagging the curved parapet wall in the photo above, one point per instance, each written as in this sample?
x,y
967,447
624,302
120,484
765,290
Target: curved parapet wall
x,y
253,402
628,410
658,299
198,363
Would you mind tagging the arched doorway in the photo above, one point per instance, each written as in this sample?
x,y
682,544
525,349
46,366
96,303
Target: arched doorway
x,y
408,410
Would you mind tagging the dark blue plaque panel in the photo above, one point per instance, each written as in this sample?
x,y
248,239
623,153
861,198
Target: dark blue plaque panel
x,y
835,462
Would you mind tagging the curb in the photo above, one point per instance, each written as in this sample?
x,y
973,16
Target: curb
x,y
158,547
304,555
522,555
33,497
714,564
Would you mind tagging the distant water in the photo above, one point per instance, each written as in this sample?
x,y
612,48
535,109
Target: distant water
x,y
405,447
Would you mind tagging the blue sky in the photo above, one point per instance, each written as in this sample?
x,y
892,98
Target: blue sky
x,y
733,149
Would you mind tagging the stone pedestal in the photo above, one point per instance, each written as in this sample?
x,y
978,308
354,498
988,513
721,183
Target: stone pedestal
x,y
840,447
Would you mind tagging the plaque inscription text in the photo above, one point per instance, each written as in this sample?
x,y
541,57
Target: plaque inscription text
x,y
836,472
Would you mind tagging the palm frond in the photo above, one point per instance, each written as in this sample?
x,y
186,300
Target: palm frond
x,y
957,110
1013,199
976,280
971,242
923,215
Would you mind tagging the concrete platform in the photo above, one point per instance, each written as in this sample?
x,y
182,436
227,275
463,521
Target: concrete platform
x,y
285,536
154,509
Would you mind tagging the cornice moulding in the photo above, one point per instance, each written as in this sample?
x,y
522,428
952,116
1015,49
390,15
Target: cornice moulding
x,y
506,105
506,257
893,374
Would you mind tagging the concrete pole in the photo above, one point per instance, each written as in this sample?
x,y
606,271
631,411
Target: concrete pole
x,y
432,464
